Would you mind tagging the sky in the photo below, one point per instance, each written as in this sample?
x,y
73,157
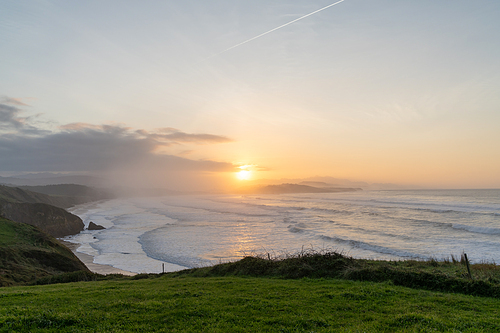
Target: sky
x,y
181,94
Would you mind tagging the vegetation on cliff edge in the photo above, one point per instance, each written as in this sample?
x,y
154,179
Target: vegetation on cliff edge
x,y
28,254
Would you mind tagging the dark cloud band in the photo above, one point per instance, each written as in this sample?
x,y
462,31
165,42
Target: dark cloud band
x,y
85,147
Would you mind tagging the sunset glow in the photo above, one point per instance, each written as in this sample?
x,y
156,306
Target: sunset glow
x,y
364,91
244,175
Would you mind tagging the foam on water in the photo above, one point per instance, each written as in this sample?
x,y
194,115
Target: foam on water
x,y
191,231
118,245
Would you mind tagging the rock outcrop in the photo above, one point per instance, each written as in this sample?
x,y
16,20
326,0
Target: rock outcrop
x,y
93,226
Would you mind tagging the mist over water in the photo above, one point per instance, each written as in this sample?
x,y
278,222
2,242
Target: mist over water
x,y
193,231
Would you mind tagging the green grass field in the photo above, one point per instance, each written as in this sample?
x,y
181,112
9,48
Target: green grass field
x,y
236,304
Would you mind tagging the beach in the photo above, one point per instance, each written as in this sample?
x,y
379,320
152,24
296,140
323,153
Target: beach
x,y
88,260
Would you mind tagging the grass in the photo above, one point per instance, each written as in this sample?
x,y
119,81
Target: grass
x,y
446,276
238,304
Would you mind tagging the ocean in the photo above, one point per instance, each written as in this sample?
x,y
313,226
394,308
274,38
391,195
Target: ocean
x,y
146,235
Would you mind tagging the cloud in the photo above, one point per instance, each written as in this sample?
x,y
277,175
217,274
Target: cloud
x,y
85,147
13,101
177,137
162,137
9,117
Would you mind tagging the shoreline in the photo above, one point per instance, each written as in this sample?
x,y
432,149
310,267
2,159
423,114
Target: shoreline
x,y
88,261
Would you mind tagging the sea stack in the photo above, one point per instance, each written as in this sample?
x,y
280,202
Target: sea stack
x,y
93,226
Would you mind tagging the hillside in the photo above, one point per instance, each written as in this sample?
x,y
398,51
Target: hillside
x,y
40,179
62,195
27,254
70,194
40,210
17,195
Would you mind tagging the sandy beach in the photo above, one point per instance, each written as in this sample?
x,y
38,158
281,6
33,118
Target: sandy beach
x,y
89,262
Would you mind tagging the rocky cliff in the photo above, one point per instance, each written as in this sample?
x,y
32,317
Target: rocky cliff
x,y
38,210
53,220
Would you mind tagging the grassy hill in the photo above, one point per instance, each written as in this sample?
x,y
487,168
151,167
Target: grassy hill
x,y
28,254
17,195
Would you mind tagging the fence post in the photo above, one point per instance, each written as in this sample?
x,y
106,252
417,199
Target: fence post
x,y
468,267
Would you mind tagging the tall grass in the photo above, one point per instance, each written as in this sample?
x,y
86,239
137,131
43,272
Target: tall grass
x,y
432,274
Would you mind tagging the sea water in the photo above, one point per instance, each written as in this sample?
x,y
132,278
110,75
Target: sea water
x,y
176,232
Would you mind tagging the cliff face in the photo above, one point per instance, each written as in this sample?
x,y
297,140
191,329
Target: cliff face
x,y
53,220
42,210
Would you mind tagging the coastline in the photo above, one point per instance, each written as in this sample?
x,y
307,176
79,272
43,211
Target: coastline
x,y
88,260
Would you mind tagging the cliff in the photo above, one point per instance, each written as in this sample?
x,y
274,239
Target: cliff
x,y
38,210
53,220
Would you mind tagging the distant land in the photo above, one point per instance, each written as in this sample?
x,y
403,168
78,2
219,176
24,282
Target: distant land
x,y
319,181
122,189
292,188
42,179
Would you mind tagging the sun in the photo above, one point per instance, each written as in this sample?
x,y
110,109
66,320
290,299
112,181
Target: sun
x,y
244,174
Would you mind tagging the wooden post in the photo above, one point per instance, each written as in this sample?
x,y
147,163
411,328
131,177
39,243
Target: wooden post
x,y
468,267
163,267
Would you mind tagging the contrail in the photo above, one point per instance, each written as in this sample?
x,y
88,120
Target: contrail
x,y
281,26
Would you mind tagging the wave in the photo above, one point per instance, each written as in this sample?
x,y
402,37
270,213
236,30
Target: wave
x,y
175,215
352,206
458,226
332,211
351,210
432,206
458,212
472,229
295,229
477,230
371,247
